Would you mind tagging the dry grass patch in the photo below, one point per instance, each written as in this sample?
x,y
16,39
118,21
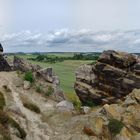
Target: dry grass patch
x,y
5,122
32,107
74,99
2,101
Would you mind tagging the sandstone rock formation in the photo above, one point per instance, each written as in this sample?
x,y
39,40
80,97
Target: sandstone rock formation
x,y
24,66
114,76
52,124
45,73
4,66
48,75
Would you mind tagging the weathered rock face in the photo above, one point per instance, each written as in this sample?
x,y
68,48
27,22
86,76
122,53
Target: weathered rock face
x,y
22,65
48,75
114,76
4,66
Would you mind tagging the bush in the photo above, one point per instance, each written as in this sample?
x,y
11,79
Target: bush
x,y
2,101
115,126
29,77
32,107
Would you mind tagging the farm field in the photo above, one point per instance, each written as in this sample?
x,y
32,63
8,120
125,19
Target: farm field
x,y
64,70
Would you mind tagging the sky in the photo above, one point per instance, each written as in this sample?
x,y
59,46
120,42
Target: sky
x,y
69,25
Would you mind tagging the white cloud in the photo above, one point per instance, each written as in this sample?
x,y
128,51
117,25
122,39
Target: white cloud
x,y
104,37
67,40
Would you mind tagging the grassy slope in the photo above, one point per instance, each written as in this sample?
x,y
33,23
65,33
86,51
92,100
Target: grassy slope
x,y
65,70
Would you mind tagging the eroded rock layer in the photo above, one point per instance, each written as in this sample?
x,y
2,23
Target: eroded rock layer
x,y
114,76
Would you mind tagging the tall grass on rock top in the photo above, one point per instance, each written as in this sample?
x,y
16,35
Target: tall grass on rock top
x,y
28,76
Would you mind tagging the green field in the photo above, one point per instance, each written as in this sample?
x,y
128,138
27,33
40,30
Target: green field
x,y
65,70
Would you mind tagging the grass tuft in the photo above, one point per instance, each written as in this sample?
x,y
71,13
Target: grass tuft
x,y
29,77
75,100
115,126
49,91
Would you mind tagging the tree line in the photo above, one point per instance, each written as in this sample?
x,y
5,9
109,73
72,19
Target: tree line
x,y
54,59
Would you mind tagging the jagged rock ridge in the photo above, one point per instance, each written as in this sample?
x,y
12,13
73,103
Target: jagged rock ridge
x,y
114,76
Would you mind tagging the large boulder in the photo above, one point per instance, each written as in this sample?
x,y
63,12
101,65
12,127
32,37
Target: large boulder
x,y
65,106
4,66
48,75
23,65
113,77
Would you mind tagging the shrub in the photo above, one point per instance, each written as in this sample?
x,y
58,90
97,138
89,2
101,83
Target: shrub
x,y
115,126
49,91
32,107
2,101
29,77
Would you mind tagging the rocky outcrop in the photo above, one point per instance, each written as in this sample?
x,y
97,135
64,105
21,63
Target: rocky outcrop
x,y
45,73
59,121
23,65
113,77
48,75
4,66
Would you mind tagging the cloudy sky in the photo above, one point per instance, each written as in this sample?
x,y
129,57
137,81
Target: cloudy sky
x,y
70,25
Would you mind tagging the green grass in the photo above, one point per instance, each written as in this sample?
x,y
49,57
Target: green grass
x,y
115,126
29,77
64,70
